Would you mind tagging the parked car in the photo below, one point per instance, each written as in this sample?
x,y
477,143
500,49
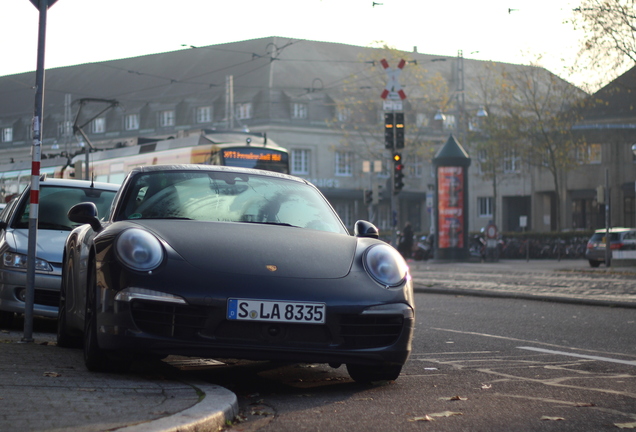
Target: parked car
x,y
232,263
56,197
620,239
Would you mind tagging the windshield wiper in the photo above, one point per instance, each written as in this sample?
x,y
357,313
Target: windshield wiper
x,y
270,223
166,218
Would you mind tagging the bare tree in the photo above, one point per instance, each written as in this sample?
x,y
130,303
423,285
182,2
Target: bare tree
x,y
495,137
609,45
543,108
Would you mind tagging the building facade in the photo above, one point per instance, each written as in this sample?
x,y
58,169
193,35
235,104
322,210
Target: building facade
x,y
322,101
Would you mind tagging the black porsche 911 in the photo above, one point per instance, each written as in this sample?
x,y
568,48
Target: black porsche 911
x,y
223,262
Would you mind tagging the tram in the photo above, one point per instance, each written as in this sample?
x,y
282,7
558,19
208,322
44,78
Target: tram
x,y
112,166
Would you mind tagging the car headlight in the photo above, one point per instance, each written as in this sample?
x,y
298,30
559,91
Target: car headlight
x,y
139,250
19,261
385,265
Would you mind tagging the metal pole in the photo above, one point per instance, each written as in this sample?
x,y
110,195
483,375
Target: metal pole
x,y
35,176
608,251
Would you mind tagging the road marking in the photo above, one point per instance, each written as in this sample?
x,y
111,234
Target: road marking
x,y
590,357
519,340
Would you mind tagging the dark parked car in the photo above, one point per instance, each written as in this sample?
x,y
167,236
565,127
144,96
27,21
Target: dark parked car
x,y
620,239
56,197
232,263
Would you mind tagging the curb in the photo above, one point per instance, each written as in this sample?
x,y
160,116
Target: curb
x,y
524,296
216,406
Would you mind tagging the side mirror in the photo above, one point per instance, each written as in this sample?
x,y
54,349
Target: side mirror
x,y
366,229
3,225
85,213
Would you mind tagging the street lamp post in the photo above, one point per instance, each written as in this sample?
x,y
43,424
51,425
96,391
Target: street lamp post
x,y
634,152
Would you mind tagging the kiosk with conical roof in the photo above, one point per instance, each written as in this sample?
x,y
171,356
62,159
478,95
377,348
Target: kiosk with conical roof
x,y
451,202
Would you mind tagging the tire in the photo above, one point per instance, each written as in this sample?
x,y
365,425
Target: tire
x,y
65,339
96,359
594,263
6,319
368,374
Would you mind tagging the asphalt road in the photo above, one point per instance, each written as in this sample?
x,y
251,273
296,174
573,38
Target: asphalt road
x,y
478,364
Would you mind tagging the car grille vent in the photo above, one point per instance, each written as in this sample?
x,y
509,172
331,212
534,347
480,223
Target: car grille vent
x,y
367,331
273,333
168,320
46,298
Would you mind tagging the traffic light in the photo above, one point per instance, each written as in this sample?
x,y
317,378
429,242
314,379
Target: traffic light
x,y
389,140
600,194
398,173
368,196
399,131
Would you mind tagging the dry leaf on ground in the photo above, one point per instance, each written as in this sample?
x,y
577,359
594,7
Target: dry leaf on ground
x,y
445,414
631,425
422,418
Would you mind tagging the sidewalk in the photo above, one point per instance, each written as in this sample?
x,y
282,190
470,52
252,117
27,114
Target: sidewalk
x,y
46,388
569,281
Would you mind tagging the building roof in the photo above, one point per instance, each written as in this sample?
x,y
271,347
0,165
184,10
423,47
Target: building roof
x,y
298,67
615,104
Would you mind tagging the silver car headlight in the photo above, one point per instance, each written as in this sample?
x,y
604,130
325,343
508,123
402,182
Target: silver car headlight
x,y
139,250
385,265
19,261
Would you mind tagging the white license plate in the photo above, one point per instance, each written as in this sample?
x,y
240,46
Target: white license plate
x,y
276,311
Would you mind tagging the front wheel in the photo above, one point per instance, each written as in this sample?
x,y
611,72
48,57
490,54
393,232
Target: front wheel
x,y
368,374
65,339
594,263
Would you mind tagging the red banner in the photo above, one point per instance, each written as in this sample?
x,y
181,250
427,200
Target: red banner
x,y
450,202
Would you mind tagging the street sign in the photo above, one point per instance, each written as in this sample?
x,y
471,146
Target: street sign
x,y
392,105
393,89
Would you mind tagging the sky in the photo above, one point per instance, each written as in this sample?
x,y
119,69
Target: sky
x,y
85,31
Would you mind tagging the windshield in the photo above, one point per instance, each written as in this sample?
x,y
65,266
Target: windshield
x,y
54,203
227,197
600,237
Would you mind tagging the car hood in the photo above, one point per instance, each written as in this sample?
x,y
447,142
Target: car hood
x,y
257,249
50,243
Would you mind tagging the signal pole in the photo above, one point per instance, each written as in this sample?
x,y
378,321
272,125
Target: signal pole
x,y
34,198
393,95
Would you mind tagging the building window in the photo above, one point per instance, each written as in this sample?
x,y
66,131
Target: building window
x,y
511,161
589,154
343,113
299,110
166,118
421,120
387,169
244,111
449,122
300,162
204,114
344,163
7,134
482,157
484,206
98,125
415,167
131,122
